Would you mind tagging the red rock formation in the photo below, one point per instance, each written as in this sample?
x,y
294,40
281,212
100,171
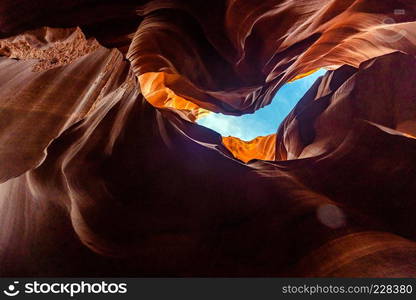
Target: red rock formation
x,y
104,173
262,147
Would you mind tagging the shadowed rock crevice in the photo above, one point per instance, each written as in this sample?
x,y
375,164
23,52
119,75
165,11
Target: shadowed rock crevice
x,y
104,173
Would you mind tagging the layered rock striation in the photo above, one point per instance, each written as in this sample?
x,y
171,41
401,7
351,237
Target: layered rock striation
x,y
104,172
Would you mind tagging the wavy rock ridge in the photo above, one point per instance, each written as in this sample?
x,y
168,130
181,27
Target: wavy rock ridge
x,y
104,173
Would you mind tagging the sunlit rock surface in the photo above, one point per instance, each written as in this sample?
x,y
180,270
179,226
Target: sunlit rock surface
x,y
104,173
262,147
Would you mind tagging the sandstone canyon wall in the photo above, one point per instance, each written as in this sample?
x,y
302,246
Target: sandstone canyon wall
x,y
104,172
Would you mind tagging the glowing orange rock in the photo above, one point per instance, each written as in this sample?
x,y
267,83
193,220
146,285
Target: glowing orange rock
x,y
262,147
154,86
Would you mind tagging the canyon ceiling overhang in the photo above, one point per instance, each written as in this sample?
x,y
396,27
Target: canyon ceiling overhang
x,y
104,171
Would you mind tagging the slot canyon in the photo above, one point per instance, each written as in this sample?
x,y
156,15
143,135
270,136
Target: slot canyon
x,y
104,170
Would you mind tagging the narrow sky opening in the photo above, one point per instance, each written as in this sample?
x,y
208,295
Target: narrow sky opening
x,y
264,121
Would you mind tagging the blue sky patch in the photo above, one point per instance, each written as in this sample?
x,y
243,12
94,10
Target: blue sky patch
x,y
264,121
